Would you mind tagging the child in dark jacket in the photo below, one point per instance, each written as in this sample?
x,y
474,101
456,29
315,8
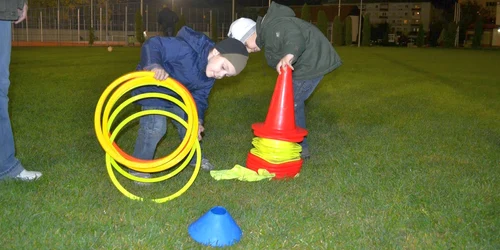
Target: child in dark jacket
x,y
290,41
195,61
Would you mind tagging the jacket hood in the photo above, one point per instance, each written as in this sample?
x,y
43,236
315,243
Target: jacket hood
x,y
277,10
274,11
198,41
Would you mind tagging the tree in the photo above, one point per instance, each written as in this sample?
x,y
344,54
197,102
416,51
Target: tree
x,y
348,30
478,34
449,35
470,13
306,13
322,22
139,35
338,36
440,40
213,28
421,36
367,32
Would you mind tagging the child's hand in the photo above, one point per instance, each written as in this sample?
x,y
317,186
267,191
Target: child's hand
x,y
200,130
285,61
160,74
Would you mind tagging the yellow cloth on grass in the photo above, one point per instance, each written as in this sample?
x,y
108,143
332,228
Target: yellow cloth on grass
x,y
241,173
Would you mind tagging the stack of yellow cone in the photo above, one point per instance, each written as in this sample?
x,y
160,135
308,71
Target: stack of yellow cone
x,y
276,145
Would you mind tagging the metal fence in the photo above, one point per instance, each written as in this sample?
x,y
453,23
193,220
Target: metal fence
x,y
112,23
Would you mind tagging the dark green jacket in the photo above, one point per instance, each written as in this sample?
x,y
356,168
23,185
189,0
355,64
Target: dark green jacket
x,y
280,33
8,9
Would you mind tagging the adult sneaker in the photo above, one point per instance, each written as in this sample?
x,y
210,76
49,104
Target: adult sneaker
x,y
26,175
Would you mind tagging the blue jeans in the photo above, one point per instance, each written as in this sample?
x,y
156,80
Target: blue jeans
x,y
152,128
302,89
9,164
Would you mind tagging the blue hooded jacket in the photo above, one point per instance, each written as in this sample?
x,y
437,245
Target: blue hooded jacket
x,y
185,58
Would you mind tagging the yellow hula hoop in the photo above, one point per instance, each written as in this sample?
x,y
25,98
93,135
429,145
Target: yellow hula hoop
x,y
143,79
103,122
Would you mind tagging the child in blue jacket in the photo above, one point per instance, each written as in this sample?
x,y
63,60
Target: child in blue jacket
x,y
195,61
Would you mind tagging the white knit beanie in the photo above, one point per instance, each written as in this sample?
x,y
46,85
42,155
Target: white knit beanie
x,y
242,29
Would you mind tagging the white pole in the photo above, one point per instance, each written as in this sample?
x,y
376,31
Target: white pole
x,y
359,29
172,5
27,30
339,8
100,24
58,22
233,13
41,27
91,14
126,36
269,2
107,22
78,24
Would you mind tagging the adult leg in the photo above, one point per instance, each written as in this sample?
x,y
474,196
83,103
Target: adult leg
x,y
9,164
302,89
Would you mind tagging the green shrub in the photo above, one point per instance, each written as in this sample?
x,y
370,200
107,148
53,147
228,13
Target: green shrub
x,y
91,36
478,34
322,23
348,30
421,36
449,35
180,23
306,13
213,29
139,29
338,36
367,31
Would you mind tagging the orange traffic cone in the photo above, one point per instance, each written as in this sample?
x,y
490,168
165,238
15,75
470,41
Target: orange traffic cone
x,y
280,120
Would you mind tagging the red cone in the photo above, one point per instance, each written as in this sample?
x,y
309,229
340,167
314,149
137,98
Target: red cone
x,y
280,120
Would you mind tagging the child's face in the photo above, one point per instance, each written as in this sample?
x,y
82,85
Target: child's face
x,y
219,67
251,43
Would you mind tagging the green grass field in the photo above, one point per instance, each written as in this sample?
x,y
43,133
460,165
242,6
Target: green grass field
x,y
405,150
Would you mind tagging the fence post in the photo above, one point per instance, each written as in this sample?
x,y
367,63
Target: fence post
x,y
107,22
100,24
41,27
78,24
126,22
58,38
27,30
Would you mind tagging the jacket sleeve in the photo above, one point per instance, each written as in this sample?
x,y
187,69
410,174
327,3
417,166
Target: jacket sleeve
x,y
292,40
200,96
156,51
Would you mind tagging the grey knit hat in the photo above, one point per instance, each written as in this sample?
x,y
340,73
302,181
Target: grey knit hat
x,y
234,51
